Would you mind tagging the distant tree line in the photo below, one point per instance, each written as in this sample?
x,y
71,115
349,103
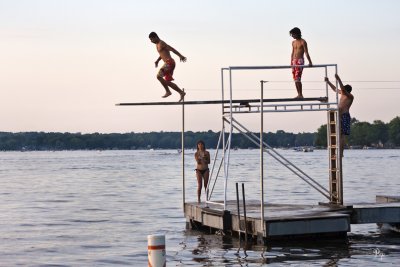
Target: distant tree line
x,y
376,134
158,140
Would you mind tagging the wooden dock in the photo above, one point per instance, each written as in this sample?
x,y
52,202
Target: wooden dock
x,y
288,220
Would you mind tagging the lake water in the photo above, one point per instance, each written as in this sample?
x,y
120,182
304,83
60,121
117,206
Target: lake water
x,y
96,208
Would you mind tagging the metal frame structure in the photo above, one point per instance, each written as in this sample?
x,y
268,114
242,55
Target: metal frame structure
x,y
229,123
230,107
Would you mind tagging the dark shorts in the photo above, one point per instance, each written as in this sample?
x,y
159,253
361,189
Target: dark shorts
x,y
345,123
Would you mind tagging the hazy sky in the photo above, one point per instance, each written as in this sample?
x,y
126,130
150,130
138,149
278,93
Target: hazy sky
x,y
64,64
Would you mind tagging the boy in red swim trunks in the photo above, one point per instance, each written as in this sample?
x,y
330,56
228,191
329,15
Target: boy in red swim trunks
x,y
299,48
167,70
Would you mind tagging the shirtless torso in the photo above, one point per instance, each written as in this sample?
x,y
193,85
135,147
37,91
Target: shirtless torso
x,y
346,98
163,49
345,102
299,49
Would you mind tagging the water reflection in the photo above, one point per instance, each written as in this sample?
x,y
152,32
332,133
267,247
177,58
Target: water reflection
x,y
211,248
378,247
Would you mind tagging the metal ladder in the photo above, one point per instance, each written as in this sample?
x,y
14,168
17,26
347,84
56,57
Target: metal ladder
x,y
335,159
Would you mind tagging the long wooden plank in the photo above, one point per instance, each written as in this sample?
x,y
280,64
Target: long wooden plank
x,y
236,101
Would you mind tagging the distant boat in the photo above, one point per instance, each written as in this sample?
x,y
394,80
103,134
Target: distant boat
x,y
303,148
308,149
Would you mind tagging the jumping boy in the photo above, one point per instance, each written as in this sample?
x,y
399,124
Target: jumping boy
x,y
165,73
299,48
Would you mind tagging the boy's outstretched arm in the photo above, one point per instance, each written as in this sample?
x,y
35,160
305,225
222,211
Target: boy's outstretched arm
x,y
340,81
330,84
181,57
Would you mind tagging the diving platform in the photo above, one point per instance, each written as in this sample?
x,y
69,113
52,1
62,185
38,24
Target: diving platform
x,y
261,219
235,101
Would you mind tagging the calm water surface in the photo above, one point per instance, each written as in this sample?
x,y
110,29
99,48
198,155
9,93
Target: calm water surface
x,y
96,208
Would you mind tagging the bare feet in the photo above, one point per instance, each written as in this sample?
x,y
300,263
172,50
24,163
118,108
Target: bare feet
x,y
167,94
299,97
182,96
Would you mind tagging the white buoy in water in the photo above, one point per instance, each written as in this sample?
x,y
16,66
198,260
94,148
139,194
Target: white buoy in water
x,y
156,251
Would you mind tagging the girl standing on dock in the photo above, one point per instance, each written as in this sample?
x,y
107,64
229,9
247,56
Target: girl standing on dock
x,y
202,157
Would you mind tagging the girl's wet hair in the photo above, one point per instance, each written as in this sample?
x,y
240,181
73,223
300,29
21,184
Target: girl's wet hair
x,y
200,142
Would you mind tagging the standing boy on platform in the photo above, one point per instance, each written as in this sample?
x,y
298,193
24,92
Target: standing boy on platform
x,y
299,48
345,102
166,71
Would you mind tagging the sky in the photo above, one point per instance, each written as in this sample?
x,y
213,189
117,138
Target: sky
x,y
65,64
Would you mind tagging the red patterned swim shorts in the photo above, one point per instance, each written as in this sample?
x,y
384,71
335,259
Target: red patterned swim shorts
x,y
167,70
297,71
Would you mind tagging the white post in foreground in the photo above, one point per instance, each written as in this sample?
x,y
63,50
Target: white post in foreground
x,y
156,251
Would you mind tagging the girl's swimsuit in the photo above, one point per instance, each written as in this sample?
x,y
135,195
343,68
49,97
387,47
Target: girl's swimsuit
x,y
202,172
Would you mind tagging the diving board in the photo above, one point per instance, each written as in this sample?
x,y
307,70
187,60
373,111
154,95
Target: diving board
x,y
236,101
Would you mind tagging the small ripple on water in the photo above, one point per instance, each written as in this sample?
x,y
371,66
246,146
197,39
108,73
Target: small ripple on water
x,y
88,221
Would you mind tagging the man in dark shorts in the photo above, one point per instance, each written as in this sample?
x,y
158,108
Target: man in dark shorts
x,y
345,102
167,70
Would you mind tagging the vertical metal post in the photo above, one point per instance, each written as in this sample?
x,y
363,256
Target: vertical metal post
x,y
226,156
326,85
223,132
338,149
244,213
183,154
238,210
262,156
